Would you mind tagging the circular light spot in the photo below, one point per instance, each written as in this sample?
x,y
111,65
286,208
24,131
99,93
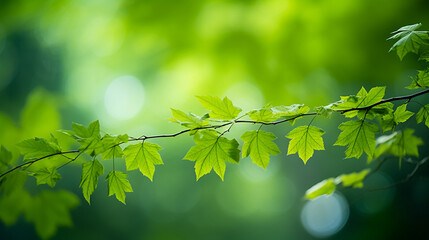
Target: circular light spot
x,y
325,215
124,97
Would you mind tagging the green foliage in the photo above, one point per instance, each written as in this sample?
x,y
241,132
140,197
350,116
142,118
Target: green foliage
x,y
211,151
259,145
90,172
358,136
409,40
5,158
355,179
143,156
38,147
48,210
118,184
220,109
305,140
423,115
400,115
42,157
47,176
326,186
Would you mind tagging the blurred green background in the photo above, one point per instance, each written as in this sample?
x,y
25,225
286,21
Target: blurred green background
x,y
127,62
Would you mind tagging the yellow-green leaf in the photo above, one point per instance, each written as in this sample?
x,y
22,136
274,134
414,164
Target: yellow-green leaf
x,y
304,140
259,145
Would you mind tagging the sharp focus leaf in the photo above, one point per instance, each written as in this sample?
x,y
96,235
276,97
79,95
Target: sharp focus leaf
x,y
47,176
410,40
304,140
118,184
220,109
399,116
324,187
211,152
143,156
359,136
259,145
420,81
90,172
88,137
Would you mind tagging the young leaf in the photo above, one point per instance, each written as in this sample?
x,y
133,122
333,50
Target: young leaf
x,y
109,147
47,176
259,145
87,137
359,136
423,115
304,140
324,187
410,40
37,147
354,179
362,99
399,116
420,81
220,109
263,115
118,184
143,156
292,111
211,151
49,210
188,120
90,172
5,158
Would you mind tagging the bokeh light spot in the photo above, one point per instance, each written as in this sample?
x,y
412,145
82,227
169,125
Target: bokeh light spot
x,y
325,215
124,97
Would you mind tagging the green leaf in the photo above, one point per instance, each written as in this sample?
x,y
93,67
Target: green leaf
x,y
405,144
143,156
188,120
354,179
5,159
118,184
13,205
211,151
410,40
359,136
47,176
420,81
289,112
109,147
324,187
361,99
220,109
259,145
37,147
399,116
423,115
88,137
13,181
90,172
304,140
49,210
263,115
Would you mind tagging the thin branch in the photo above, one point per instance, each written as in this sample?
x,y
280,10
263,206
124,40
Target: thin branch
x,y
36,160
409,176
230,123
406,97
